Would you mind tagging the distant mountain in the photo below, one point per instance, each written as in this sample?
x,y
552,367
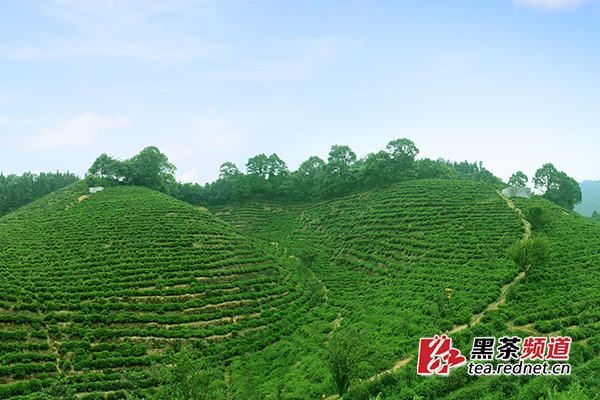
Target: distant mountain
x,y
590,191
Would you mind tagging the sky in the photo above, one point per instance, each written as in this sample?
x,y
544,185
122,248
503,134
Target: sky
x,y
514,84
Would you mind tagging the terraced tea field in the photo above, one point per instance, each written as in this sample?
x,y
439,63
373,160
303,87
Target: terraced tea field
x,y
95,285
563,297
387,257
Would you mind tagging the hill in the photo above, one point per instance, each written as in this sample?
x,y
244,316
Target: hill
x,y
101,285
94,285
387,258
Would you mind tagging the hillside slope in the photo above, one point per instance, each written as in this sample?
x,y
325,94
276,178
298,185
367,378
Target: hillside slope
x,y
93,285
387,258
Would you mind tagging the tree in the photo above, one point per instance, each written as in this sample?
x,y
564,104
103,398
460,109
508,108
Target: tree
x,y
311,166
534,251
149,168
345,352
546,177
402,152
305,179
376,170
538,217
595,216
426,168
105,166
340,158
276,167
559,188
518,179
340,177
258,165
568,193
228,171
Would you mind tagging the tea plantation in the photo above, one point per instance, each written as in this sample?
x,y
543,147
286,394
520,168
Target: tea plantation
x,y
95,285
104,287
387,258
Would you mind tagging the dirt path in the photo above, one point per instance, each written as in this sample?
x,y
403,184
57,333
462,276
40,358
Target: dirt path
x,y
518,210
336,324
476,318
395,368
494,305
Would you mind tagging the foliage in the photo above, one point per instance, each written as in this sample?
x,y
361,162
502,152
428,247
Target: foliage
x,y
17,191
575,392
533,252
559,188
125,271
386,256
345,352
518,179
268,177
149,168
113,278
58,390
184,378
538,217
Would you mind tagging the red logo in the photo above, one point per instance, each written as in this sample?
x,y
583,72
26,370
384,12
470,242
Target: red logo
x,y
436,356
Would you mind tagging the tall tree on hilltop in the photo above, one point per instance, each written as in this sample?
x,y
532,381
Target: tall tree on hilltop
x,y
258,165
340,178
340,158
559,187
228,171
149,168
518,179
152,169
276,167
402,152
304,181
105,166
376,170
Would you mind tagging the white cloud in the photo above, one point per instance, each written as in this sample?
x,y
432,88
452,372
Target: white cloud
x,y
77,132
550,5
190,176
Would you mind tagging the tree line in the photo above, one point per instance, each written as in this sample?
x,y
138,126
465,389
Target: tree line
x,y
18,190
558,187
269,178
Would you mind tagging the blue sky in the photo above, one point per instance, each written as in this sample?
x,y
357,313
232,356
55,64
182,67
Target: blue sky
x,y
514,84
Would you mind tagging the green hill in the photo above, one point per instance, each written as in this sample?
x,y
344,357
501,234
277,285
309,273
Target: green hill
x,y
388,256
93,285
100,287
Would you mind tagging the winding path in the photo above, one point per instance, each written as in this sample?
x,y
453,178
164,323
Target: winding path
x,y
475,318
